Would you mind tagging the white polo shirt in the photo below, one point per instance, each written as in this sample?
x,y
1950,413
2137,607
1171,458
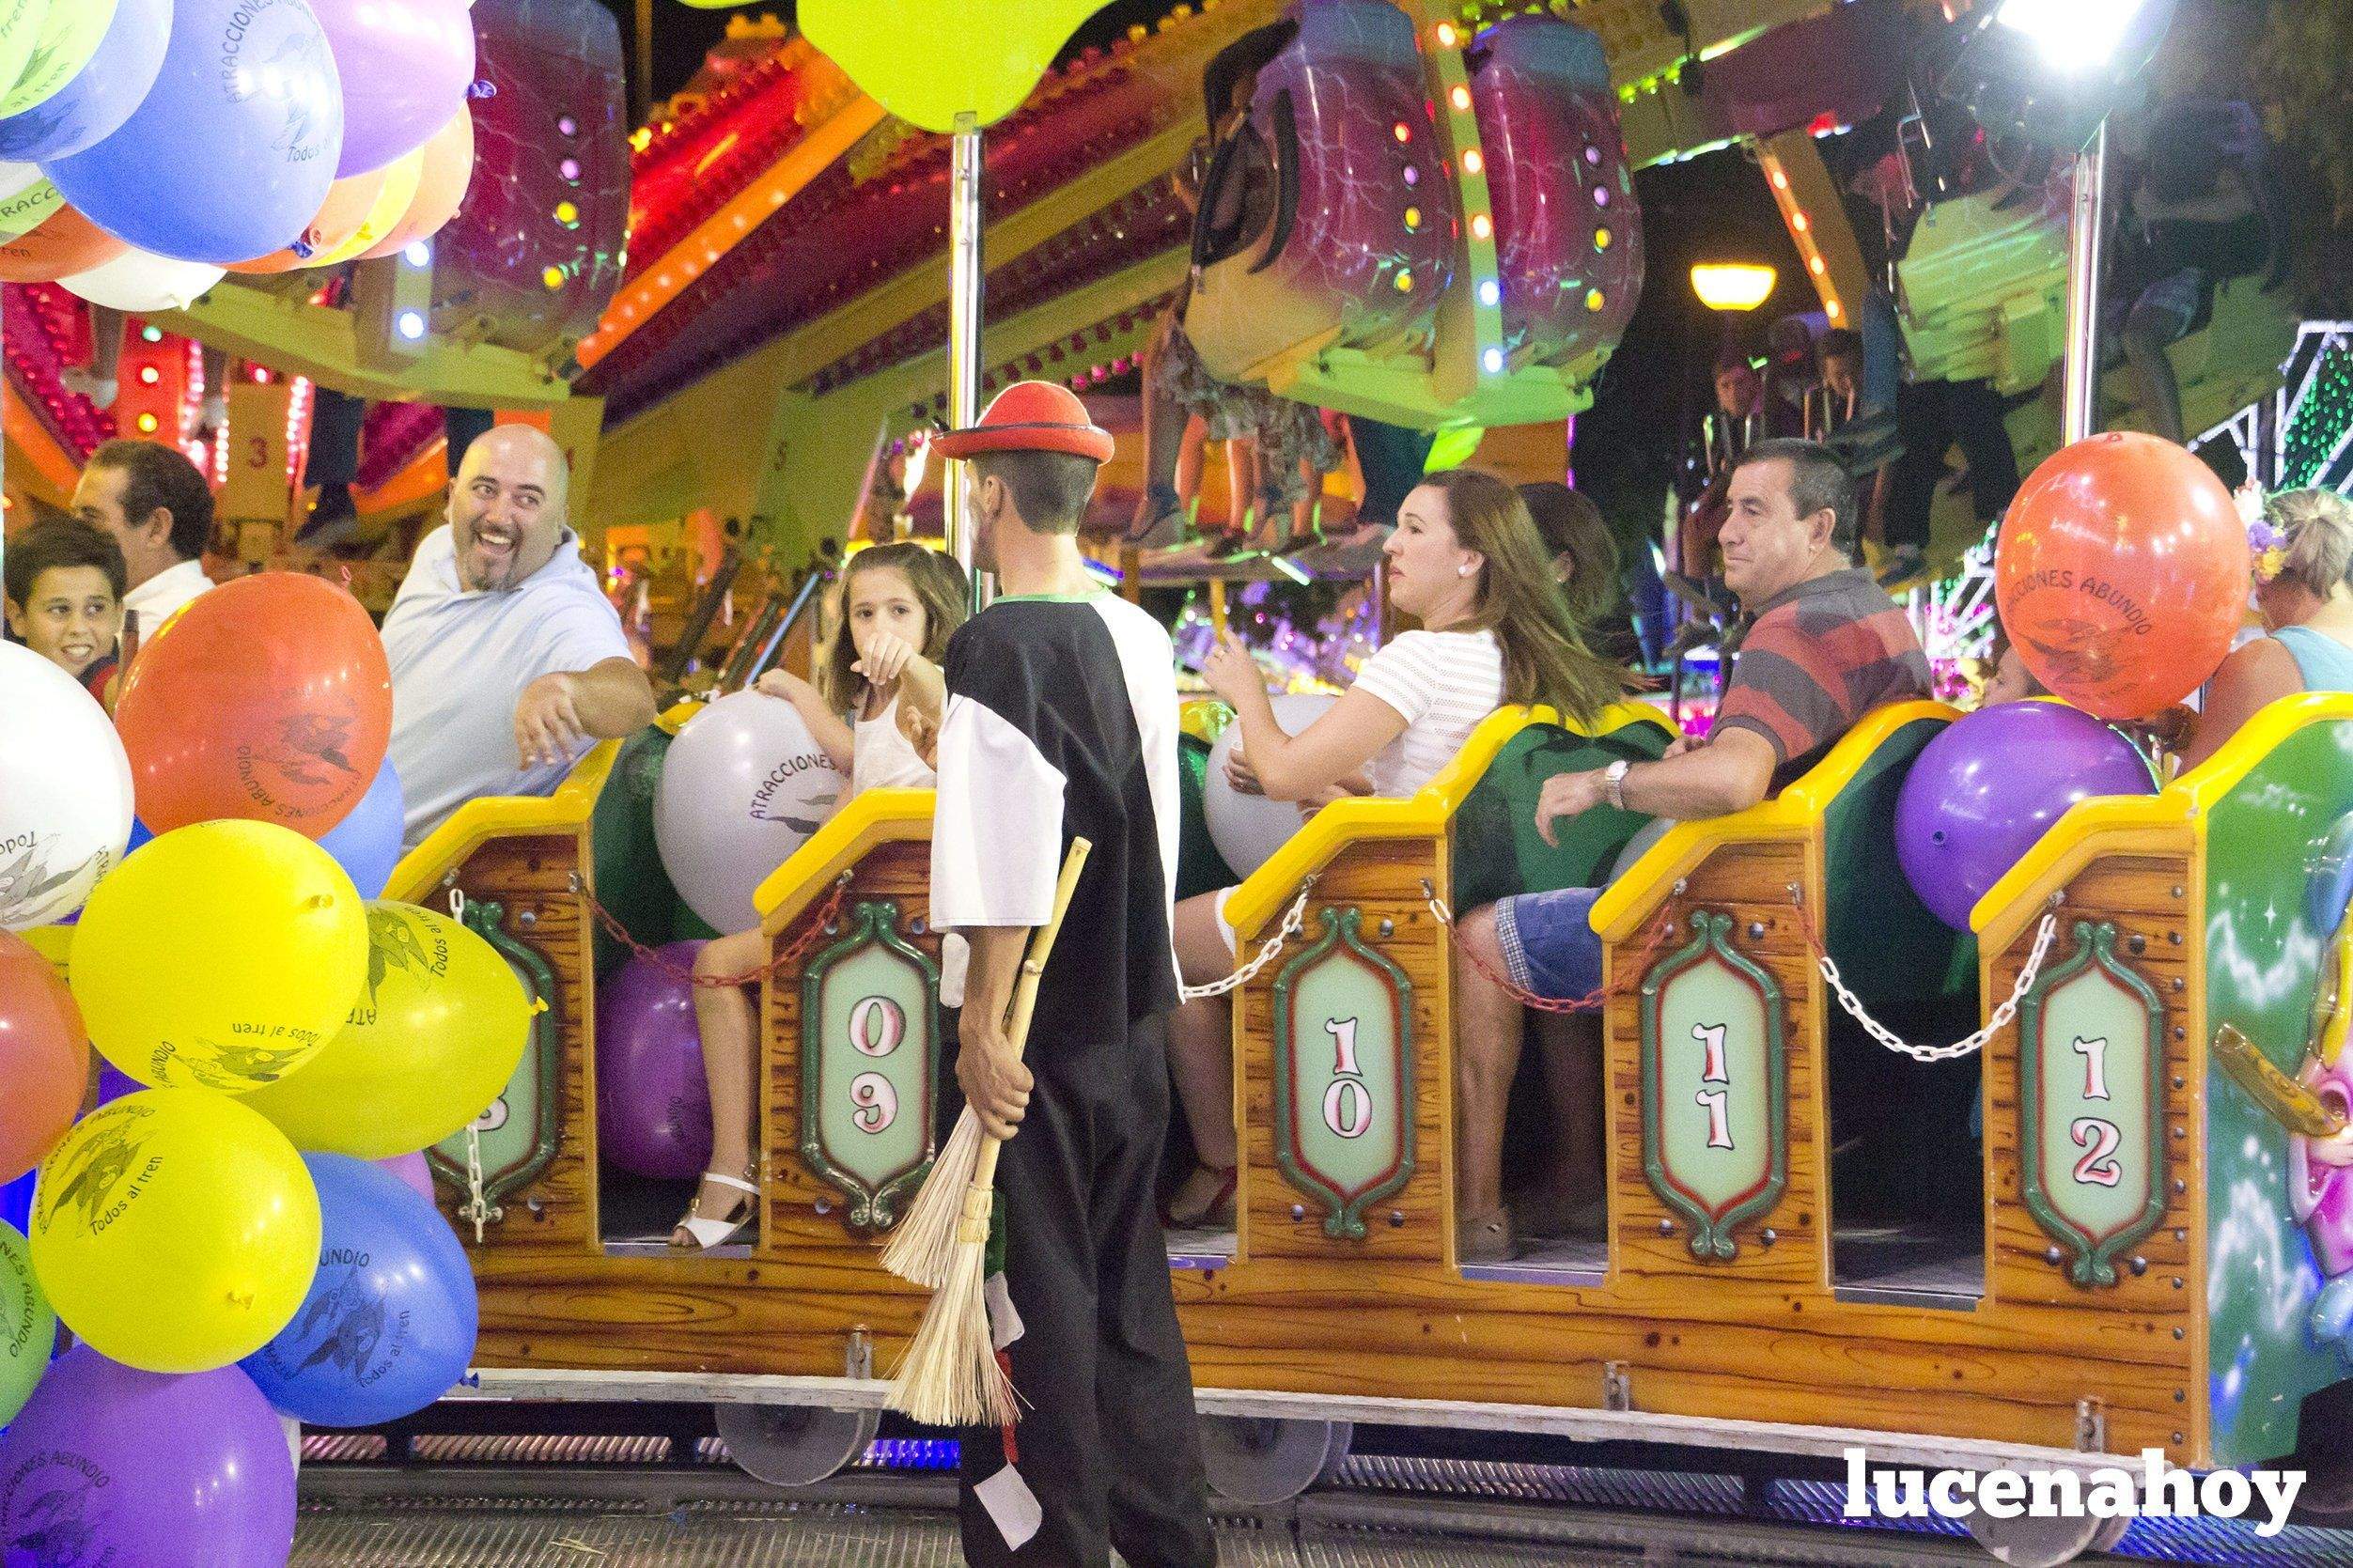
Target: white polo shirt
x,y
460,663
154,600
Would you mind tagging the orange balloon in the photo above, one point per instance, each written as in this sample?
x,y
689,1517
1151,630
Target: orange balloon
x,y
268,699
62,244
440,190
44,1057
338,218
2122,573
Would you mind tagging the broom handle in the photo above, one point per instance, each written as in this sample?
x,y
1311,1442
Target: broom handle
x,y
1017,1022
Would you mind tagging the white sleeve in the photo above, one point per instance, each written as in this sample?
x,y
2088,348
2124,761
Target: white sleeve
x,y
1405,674
996,831
585,631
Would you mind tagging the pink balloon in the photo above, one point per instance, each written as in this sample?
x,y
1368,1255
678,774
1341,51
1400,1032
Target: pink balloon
x,y
413,1169
406,65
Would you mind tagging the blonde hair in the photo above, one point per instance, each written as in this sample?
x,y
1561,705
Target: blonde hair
x,y
2319,529
940,587
1545,659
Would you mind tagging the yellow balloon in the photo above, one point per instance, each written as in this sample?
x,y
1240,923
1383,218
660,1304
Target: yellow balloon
x,y
175,1231
929,60
433,1039
219,956
401,177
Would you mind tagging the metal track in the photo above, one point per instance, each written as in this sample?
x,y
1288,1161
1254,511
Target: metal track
x,y
508,1501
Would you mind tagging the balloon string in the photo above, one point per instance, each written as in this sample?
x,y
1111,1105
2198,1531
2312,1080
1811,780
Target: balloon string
x,y
827,914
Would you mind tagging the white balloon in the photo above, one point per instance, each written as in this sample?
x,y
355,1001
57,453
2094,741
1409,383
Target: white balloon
x,y
1248,829
743,786
140,280
65,792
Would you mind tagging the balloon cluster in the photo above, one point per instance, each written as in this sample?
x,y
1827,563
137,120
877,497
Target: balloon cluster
x,y
215,1232
147,145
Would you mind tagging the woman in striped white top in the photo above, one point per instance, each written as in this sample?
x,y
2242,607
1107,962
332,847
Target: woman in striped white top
x,y
1465,561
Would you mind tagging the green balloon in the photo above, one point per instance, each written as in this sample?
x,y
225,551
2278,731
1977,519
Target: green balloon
x,y
28,1330
928,61
68,35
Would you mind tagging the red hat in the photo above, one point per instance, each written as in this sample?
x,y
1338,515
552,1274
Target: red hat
x,y
1030,416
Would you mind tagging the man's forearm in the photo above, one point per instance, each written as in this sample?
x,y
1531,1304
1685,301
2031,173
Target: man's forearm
x,y
614,699
1702,782
994,968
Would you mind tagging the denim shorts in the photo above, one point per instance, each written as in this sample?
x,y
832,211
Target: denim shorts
x,y
1549,942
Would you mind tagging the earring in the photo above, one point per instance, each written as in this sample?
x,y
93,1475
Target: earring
x,y
1463,571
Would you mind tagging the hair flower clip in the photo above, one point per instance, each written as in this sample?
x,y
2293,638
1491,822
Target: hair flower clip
x,y
2268,542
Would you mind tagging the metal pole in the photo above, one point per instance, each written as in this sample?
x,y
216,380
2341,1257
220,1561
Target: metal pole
x,y
964,277
2078,416
642,88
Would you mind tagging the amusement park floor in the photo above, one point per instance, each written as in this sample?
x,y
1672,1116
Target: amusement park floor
x,y
610,1502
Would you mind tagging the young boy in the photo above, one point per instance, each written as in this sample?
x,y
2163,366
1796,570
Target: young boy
x,y
1061,722
65,583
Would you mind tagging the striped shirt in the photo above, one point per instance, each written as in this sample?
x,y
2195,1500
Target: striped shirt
x,y
1443,683
1819,656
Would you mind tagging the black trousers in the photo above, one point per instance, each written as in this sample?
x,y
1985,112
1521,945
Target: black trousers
x,y
1106,1443
1933,416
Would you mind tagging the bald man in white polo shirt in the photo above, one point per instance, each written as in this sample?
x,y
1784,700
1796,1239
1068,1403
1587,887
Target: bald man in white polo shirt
x,y
507,661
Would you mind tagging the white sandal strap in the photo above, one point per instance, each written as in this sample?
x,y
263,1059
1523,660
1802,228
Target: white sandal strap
x,y
708,1234
730,1181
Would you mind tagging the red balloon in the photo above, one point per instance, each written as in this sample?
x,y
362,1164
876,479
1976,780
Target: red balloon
x,y
44,1057
268,699
2122,573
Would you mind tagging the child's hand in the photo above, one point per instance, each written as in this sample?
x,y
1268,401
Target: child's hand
x,y
886,659
1239,775
782,684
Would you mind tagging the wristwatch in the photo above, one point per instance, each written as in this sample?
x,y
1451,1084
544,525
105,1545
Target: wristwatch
x,y
1615,776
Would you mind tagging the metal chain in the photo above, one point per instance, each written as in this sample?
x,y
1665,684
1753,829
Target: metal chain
x,y
1294,922
1528,998
790,953
478,1209
1967,1045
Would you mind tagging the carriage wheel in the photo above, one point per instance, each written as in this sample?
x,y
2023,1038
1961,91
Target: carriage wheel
x,y
1258,1460
794,1445
2024,1543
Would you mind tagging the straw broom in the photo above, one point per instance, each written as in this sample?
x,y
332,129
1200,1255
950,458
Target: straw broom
x,y
950,1375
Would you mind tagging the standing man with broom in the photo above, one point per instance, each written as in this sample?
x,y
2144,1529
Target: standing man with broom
x,y
1061,724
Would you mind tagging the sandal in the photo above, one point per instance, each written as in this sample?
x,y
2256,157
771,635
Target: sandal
x,y
1160,522
1215,1215
703,1234
1486,1238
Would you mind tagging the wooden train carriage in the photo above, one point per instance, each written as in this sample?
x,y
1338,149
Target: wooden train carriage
x,y
2113,1275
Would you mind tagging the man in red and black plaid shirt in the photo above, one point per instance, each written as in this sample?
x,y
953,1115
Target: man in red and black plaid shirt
x,y
1826,646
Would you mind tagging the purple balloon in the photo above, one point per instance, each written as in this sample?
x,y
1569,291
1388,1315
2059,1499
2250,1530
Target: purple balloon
x,y
1982,793
653,1106
230,153
406,67
413,1169
110,1464
93,104
114,1083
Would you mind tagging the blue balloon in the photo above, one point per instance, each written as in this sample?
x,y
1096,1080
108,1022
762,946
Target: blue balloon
x,y
367,843
231,152
100,96
389,1323
16,1202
